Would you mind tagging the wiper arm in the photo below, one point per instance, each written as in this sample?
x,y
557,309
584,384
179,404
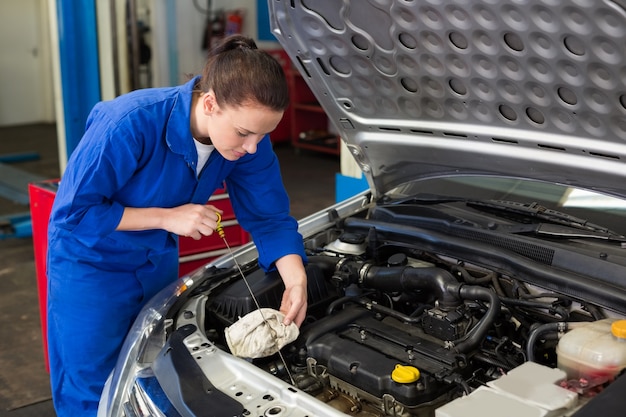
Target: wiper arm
x,y
561,231
538,211
423,198
558,231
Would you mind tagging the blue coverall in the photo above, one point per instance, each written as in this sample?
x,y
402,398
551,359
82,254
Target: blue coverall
x,y
138,151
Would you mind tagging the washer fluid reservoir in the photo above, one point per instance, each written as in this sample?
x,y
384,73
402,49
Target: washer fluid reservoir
x,y
594,350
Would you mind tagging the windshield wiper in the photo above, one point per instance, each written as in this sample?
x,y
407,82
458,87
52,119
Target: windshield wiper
x,y
422,198
543,213
563,225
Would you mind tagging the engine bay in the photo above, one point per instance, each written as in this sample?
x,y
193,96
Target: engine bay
x,y
397,328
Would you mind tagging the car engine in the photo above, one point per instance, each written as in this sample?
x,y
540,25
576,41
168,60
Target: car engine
x,y
400,328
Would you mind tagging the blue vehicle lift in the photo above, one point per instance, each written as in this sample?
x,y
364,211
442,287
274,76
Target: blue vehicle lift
x,y
14,186
16,226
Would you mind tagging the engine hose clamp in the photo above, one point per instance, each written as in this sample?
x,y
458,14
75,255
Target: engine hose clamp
x,y
363,272
339,264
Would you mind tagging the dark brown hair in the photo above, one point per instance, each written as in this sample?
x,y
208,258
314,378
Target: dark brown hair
x,y
238,72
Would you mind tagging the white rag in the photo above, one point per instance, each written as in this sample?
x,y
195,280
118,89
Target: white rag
x,y
259,334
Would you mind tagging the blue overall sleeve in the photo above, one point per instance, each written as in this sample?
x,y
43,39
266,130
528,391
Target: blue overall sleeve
x,y
262,206
106,158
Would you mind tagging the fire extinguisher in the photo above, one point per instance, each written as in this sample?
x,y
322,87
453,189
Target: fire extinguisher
x,y
234,22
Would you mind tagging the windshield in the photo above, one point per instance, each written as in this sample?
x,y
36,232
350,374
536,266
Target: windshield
x,y
595,207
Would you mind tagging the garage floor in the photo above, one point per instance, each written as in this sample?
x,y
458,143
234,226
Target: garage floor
x,y
32,150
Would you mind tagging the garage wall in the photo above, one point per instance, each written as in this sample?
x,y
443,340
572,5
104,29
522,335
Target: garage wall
x,y
25,50
25,63
178,39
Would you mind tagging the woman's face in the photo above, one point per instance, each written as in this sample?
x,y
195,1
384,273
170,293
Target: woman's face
x,y
236,131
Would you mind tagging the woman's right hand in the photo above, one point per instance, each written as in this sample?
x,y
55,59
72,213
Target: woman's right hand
x,y
192,220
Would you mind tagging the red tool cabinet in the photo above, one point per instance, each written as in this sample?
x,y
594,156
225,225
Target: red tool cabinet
x,y
41,196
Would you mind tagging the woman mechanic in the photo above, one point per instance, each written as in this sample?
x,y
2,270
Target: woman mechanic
x,y
141,176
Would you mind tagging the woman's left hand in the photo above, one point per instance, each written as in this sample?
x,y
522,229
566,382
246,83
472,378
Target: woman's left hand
x,y
294,302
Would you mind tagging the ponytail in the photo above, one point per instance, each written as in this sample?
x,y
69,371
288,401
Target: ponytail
x,y
239,73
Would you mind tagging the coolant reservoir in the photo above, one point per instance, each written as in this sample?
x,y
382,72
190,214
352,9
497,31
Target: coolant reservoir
x,y
592,351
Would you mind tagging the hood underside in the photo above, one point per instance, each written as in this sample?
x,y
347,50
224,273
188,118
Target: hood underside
x,y
530,89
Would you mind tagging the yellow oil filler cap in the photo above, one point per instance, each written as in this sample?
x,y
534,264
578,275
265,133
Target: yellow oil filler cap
x,y
405,374
618,328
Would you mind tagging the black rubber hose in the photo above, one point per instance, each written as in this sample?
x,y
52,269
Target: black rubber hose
x,y
552,309
472,339
595,312
492,361
345,300
339,301
537,332
388,311
439,282
470,279
329,324
326,263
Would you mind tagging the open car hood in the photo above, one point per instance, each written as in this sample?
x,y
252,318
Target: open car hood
x,y
533,89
